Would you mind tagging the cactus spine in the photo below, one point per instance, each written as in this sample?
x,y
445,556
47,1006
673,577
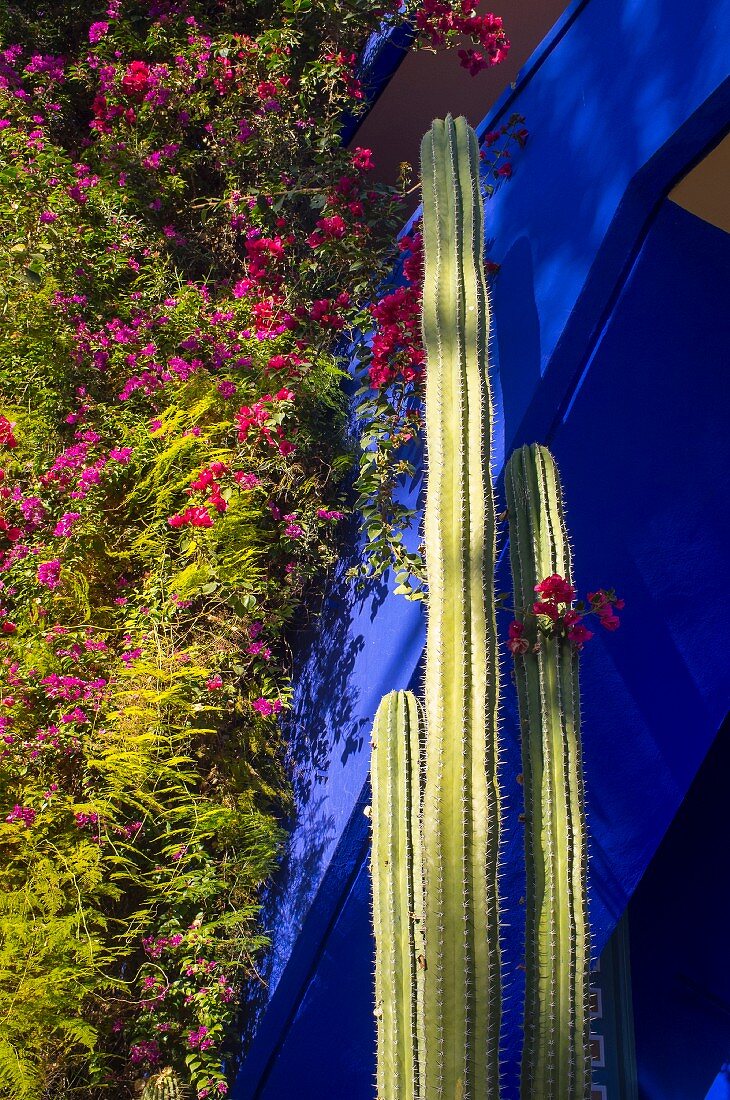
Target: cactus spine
x,y
165,1085
556,1060
461,814
397,895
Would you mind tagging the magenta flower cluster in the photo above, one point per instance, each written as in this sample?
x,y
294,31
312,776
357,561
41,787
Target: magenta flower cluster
x,y
555,614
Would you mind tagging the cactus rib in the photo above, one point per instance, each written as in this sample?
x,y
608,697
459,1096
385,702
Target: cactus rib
x,y
165,1085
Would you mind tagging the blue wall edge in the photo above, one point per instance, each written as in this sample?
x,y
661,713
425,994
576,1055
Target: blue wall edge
x,y
529,70
383,53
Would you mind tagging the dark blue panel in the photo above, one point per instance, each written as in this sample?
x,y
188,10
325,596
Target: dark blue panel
x,y
644,453
679,945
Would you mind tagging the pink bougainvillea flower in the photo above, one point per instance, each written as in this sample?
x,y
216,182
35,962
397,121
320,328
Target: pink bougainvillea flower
x,y
266,706
12,533
362,159
192,517
49,573
246,481
214,683
97,32
556,589
605,604
548,608
578,635
516,642
136,79
24,814
121,455
65,524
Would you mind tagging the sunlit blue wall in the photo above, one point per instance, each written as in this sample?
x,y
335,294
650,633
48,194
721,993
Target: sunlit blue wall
x,y
611,342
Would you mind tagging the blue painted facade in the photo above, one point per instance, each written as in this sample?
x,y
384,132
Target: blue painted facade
x,y
611,344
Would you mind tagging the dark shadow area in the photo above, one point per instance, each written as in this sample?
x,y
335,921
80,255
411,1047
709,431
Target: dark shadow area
x,y
341,1065
323,718
680,948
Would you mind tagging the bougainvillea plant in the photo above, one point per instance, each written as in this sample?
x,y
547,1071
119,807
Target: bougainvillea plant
x,y
182,243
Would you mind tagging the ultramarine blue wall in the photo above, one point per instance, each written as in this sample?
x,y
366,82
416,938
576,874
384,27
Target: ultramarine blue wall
x,y
596,356
644,452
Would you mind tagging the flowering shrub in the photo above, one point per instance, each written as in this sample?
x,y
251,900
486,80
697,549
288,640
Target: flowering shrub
x,y
556,612
182,240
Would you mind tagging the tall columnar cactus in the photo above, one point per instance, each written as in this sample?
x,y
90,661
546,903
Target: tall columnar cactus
x,y
556,1061
461,810
457,1055
165,1085
398,896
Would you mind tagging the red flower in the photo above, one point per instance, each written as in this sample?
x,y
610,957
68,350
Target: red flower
x,y
7,439
191,517
136,79
604,603
555,588
547,608
362,159
578,635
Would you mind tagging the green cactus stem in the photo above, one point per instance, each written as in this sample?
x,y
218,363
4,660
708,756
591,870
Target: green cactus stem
x,y
165,1085
397,895
461,808
556,1058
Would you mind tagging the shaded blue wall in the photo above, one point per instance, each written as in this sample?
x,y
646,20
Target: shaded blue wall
x,y
608,311
680,955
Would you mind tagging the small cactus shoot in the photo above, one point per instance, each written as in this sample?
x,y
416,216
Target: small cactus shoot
x,y
165,1085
